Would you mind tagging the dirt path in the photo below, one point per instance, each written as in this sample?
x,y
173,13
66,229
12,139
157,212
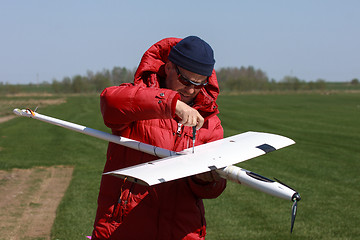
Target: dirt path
x,y
6,118
29,199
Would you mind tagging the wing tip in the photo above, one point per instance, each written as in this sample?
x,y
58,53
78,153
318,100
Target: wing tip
x,y
129,178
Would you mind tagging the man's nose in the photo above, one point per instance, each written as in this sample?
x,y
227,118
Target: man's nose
x,y
190,89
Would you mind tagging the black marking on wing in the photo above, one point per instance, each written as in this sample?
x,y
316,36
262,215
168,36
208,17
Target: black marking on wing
x,y
212,167
266,148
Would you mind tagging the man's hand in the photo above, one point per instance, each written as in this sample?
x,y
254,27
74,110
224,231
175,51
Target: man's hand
x,y
189,116
207,177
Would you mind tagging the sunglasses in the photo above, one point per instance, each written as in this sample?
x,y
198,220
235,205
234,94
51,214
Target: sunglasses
x,y
188,82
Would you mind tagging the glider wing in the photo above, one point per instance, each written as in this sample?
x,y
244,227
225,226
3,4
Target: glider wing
x,y
211,156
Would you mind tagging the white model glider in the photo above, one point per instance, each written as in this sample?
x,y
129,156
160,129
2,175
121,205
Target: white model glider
x,y
215,156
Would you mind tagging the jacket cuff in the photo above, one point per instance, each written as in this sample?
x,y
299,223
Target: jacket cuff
x,y
173,104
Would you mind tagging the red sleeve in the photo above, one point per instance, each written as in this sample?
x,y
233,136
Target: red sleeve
x,y
124,104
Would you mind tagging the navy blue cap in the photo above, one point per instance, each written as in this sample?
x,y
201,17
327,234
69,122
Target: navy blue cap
x,y
193,54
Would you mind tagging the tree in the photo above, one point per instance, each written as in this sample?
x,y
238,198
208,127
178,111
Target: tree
x,y
78,84
355,81
291,83
101,81
56,86
66,85
121,75
242,79
320,84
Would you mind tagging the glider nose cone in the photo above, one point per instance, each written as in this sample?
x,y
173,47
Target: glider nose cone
x,y
296,197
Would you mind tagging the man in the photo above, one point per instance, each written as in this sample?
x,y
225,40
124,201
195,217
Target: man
x,y
175,88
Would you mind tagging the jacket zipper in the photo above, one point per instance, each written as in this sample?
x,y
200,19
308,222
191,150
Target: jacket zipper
x,y
178,131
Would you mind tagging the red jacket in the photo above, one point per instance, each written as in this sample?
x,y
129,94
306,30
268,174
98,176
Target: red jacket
x,y
145,112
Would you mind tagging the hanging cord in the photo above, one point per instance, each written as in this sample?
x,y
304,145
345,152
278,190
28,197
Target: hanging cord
x,y
117,205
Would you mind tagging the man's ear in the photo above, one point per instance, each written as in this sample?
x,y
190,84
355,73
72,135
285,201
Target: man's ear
x,y
168,67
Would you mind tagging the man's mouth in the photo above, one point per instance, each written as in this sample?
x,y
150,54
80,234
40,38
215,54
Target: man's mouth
x,y
185,96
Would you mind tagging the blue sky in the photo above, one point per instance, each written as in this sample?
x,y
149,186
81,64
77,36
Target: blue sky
x,y
310,39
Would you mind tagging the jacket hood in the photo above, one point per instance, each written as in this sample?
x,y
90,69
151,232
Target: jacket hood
x,y
152,69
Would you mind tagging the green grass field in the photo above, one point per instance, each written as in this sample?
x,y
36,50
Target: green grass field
x,y
323,165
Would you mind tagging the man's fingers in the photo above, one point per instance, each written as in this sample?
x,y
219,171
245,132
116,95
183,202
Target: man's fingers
x,y
200,123
192,121
189,116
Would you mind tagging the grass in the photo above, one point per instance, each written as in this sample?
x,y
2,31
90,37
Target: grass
x,y
323,166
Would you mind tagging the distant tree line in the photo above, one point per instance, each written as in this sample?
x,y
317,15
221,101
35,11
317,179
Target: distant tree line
x,y
230,79
251,79
93,82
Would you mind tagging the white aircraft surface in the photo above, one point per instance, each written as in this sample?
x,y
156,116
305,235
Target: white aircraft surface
x,y
215,156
